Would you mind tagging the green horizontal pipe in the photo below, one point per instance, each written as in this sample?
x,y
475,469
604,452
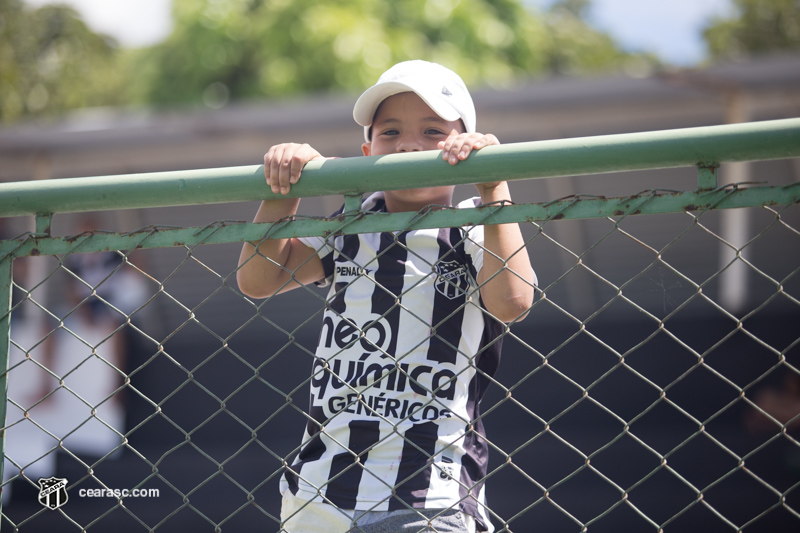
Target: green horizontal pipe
x,y
648,203
589,155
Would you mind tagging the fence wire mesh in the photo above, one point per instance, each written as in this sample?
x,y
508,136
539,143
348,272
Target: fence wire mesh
x,y
654,384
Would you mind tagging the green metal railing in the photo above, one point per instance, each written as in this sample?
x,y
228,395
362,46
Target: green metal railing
x,y
704,148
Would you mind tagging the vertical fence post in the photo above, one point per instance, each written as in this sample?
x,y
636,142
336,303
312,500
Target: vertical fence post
x,y
5,348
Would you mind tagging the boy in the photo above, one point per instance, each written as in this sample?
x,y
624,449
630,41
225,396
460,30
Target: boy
x,y
410,332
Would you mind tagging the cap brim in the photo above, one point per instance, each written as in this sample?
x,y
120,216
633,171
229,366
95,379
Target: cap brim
x,y
367,104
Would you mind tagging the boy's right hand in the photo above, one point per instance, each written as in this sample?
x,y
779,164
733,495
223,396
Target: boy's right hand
x,y
283,164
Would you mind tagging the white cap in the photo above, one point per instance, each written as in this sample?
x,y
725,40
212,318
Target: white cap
x,y
440,88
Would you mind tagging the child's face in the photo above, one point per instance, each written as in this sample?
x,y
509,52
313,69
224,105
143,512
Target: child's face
x,y
405,123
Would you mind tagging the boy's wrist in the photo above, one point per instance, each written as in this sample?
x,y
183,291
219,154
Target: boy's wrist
x,y
276,209
494,192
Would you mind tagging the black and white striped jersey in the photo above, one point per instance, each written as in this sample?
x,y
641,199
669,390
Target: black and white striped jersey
x,y
405,354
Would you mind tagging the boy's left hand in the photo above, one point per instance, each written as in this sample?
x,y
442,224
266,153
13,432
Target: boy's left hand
x,y
458,146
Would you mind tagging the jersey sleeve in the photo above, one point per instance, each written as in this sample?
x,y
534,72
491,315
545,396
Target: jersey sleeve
x,y
473,236
324,250
473,246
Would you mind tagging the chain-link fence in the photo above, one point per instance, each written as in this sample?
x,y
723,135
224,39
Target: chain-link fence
x,y
654,384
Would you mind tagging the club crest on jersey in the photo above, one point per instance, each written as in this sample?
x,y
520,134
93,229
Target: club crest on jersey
x,y
53,492
452,279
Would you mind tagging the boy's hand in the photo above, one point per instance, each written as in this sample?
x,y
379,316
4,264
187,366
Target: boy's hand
x,y
283,164
458,146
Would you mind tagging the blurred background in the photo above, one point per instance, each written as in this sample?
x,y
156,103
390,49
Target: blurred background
x,y
104,88
77,54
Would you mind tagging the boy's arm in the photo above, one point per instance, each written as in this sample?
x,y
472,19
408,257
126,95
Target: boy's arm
x,y
278,265
506,279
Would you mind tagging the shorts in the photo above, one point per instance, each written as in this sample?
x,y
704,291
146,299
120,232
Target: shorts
x,y
299,516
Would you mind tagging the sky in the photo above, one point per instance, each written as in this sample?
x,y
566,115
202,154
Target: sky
x,y
669,28
672,29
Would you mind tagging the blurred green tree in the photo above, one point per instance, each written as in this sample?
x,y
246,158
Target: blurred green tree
x,y
759,26
223,50
50,61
